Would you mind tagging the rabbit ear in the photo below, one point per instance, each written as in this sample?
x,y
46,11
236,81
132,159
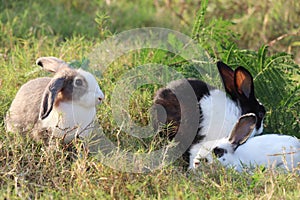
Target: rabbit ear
x,y
227,75
51,64
243,129
244,83
49,96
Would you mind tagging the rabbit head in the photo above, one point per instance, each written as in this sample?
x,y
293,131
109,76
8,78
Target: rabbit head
x,y
239,85
68,85
225,148
268,150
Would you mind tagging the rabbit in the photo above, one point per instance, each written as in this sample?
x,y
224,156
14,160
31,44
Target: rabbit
x,y
240,151
63,106
214,106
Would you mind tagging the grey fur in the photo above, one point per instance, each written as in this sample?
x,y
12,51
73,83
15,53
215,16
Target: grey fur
x,y
24,111
35,99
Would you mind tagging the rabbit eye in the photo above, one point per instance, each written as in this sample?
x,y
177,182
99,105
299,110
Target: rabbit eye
x,y
261,112
219,152
78,82
261,115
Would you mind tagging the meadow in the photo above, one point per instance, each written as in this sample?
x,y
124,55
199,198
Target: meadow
x,y
264,37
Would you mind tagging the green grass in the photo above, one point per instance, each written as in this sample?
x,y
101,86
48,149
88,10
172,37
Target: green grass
x,y
71,29
32,171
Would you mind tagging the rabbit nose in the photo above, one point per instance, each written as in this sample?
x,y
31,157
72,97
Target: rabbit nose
x,y
100,95
99,100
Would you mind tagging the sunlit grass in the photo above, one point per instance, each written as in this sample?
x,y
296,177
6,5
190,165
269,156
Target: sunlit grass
x,y
71,29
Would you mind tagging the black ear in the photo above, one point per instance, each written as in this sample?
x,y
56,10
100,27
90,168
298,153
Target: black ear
x,y
227,75
243,129
244,83
49,96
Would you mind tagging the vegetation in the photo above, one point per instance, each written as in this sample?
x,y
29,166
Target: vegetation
x,y
261,36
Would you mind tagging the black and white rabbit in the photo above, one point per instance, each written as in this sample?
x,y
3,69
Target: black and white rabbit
x,y
219,110
240,151
63,106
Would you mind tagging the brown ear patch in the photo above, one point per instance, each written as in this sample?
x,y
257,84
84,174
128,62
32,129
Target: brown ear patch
x,y
59,98
244,82
243,129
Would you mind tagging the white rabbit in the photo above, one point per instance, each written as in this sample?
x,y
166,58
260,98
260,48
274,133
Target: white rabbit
x,y
63,106
214,106
239,151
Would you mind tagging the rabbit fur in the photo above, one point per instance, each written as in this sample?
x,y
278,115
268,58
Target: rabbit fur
x,y
63,106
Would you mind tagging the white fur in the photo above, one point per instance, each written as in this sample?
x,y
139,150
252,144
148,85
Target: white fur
x,y
70,116
220,114
69,120
201,150
269,150
75,118
94,93
259,131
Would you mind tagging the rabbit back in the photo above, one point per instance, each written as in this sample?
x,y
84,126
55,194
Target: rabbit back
x,y
23,113
268,150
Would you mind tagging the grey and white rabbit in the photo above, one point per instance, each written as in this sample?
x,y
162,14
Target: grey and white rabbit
x,y
240,151
219,111
63,106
